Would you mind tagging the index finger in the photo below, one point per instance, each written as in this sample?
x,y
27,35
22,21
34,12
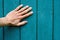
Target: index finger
x,y
18,7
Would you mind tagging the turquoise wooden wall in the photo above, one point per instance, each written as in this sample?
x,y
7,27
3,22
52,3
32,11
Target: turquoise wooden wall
x,y
1,15
44,24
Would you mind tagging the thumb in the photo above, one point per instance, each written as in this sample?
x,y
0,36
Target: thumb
x,y
21,23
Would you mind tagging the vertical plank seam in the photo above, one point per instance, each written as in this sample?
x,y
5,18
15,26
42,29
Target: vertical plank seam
x,y
3,15
19,27
36,19
52,19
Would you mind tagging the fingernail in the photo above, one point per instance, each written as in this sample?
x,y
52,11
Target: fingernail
x,y
30,8
21,4
31,11
26,21
27,6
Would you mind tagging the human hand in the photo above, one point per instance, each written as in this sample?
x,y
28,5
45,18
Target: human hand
x,y
14,17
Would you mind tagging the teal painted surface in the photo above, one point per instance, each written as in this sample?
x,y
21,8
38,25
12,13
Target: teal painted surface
x,y
42,25
1,27
11,33
44,19
28,32
57,20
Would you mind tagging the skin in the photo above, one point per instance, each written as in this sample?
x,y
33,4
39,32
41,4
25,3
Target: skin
x,y
15,16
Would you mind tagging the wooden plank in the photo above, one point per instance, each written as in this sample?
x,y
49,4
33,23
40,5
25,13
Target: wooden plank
x,y
56,19
44,19
11,33
28,31
1,15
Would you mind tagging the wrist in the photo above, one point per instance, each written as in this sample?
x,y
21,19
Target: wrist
x,y
5,21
